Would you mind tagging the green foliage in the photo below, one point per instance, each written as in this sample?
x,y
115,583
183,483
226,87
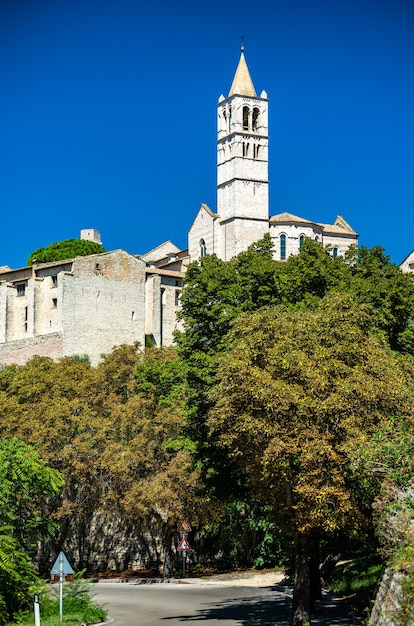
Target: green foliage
x,y
116,433
298,391
17,573
217,293
360,575
26,482
78,604
404,563
67,249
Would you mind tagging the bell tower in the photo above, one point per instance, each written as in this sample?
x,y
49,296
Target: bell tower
x,y
242,164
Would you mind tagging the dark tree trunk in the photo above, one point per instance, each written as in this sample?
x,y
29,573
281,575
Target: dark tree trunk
x,y
302,602
168,553
315,577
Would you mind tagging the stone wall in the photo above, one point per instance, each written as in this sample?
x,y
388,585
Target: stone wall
x,y
19,352
388,600
103,304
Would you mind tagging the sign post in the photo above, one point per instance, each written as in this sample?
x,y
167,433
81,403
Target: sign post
x,y
61,586
184,528
63,571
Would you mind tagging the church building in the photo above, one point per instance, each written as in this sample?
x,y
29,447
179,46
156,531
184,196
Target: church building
x,y
89,305
242,216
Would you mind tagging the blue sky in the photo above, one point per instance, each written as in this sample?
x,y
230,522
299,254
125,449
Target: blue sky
x,y
108,112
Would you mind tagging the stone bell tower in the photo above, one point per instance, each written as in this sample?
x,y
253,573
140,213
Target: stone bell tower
x,y
242,165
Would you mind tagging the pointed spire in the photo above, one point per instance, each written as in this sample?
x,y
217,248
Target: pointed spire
x,y
242,83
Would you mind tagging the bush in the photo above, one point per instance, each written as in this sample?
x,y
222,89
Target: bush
x,y
67,249
78,605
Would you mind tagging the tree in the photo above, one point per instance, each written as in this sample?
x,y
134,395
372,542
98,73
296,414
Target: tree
x,y
67,249
116,432
389,293
217,292
297,393
26,482
154,481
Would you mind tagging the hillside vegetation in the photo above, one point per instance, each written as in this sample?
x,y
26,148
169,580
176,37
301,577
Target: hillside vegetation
x,y
280,427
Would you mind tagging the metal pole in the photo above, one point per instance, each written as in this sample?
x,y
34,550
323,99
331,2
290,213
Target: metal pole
x,y
184,557
61,588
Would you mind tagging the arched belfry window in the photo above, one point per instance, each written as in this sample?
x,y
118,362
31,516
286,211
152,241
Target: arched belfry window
x,y
203,248
229,120
255,119
282,240
301,241
246,115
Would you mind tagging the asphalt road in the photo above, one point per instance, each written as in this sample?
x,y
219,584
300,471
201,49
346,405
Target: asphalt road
x,y
176,604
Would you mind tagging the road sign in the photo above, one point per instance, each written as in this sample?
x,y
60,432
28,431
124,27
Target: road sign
x,y
184,527
183,545
61,566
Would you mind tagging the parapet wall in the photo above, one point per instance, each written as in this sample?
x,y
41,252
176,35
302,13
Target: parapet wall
x,y
19,352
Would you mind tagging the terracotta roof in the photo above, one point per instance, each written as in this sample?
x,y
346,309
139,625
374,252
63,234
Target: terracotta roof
x,y
242,83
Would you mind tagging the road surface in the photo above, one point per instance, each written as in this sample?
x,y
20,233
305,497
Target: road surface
x,y
175,604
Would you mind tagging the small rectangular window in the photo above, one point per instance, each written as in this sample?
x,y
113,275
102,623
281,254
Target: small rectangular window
x,y
54,301
54,280
177,297
21,289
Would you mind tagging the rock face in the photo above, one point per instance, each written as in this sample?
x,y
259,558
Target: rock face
x,y
388,601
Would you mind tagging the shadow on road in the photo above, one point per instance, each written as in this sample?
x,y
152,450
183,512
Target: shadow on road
x,y
260,610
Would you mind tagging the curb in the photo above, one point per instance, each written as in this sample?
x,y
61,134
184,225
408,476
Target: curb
x,y
134,581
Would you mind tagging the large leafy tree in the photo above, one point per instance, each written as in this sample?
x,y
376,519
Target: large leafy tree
x,y
217,292
298,392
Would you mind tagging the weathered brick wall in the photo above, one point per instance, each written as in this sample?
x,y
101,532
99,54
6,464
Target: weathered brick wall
x,y
103,304
19,352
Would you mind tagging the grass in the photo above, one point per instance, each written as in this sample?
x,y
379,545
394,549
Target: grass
x,y
69,620
360,575
357,580
78,606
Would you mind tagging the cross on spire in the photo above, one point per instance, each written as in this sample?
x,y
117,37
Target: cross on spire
x,y
242,43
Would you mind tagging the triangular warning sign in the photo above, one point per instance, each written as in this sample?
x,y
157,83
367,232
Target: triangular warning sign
x,y
184,545
61,565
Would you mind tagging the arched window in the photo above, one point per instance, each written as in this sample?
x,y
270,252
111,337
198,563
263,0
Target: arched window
x,y
229,120
335,252
203,248
282,239
245,149
255,119
301,241
246,115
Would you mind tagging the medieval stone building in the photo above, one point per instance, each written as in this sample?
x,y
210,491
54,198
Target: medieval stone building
x,y
88,305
